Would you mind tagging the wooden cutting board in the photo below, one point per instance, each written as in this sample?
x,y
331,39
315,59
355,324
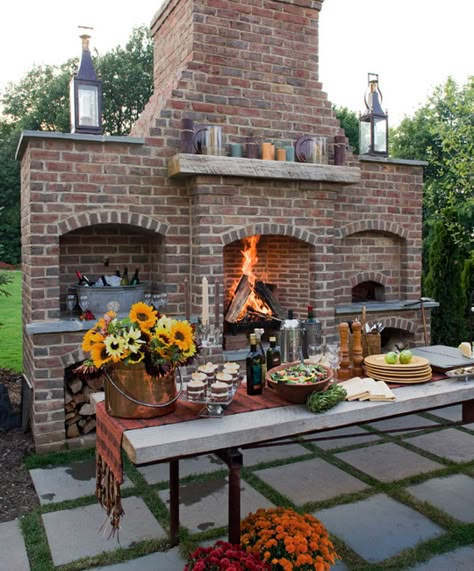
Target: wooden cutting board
x,y
443,358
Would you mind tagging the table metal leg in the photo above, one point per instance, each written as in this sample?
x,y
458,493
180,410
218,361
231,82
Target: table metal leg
x,y
233,458
468,411
174,502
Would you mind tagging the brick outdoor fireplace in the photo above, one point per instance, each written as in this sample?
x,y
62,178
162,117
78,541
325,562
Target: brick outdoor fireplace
x,y
88,201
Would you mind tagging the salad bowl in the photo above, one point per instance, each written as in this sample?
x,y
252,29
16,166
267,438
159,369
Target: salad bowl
x,y
294,382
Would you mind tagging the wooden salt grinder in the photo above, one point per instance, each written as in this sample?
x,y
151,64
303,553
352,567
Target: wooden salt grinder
x,y
357,357
344,372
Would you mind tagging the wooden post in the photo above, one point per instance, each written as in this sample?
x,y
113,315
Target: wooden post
x,y
233,458
174,502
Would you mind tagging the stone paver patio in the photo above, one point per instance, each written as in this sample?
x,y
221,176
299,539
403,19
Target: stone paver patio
x,y
350,483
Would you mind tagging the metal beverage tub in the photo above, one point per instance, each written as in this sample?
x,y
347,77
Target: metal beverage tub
x,y
118,299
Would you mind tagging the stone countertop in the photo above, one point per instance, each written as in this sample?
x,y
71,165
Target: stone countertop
x,y
383,306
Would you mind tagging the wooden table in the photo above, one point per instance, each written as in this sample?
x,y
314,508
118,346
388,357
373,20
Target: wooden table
x,y
224,436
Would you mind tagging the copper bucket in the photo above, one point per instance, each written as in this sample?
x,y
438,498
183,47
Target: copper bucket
x,y
130,392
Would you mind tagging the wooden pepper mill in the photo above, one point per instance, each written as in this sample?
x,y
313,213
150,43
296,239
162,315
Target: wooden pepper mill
x,y
344,372
357,355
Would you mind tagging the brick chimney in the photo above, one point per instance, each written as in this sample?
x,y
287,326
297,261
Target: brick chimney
x,y
246,65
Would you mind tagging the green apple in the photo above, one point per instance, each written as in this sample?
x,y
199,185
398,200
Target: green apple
x,y
405,357
391,358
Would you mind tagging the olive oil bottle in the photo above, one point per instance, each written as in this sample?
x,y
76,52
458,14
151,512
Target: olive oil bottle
x,y
254,368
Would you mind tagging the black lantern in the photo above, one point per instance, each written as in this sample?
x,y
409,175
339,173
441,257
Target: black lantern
x,y
86,95
373,125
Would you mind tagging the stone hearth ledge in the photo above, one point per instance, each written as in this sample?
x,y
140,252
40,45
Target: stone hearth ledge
x,y
59,326
187,165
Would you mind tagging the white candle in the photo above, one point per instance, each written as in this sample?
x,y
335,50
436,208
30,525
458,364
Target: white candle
x,y
205,301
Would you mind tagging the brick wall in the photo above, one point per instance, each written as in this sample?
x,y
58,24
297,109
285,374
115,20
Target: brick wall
x,y
251,67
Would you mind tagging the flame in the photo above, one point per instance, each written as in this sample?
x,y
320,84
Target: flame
x,y
250,260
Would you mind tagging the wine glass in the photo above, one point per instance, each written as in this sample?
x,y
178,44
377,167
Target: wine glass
x,y
315,353
333,355
71,301
155,300
147,298
83,302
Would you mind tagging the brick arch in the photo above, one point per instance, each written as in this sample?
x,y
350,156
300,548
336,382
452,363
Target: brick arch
x,y
374,226
401,323
83,219
267,228
361,277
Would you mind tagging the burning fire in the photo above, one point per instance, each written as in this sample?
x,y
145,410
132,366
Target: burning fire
x,y
254,303
250,258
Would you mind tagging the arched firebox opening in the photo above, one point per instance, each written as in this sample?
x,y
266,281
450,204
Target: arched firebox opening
x,y
396,339
368,291
264,277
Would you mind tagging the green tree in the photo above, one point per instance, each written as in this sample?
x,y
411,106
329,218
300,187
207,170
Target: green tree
x,y
127,82
443,283
467,282
441,132
350,123
10,196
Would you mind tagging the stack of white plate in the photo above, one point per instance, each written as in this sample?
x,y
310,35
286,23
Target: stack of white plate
x,y
417,371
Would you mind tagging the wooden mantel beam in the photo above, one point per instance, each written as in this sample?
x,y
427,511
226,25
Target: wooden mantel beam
x,y
188,165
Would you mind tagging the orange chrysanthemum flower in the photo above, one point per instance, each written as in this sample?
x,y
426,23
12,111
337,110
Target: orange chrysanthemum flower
x,y
288,540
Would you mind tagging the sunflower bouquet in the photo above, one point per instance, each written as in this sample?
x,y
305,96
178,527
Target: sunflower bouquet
x,y
287,540
160,342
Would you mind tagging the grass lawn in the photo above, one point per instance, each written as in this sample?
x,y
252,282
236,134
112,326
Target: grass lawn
x,y
10,329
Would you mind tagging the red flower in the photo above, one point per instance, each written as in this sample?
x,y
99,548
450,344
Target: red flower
x,y
225,556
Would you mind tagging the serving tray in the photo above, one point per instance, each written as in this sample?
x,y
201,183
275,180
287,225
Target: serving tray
x,y
213,408
443,358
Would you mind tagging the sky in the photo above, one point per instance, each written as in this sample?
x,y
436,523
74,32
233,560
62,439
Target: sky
x,y
414,45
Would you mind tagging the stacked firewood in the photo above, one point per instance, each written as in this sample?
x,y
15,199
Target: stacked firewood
x,y
80,413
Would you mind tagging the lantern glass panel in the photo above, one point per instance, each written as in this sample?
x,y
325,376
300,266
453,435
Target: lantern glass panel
x,y
88,104
380,135
364,137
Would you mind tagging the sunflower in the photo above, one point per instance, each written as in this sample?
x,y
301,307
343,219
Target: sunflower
x,y
181,334
99,355
91,338
163,337
144,315
136,357
164,323
133,339
115,347
190,352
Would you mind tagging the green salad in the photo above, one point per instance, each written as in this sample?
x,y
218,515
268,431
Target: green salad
x,y
300,374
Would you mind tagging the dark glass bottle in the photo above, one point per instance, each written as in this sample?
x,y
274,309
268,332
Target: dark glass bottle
x,y
83,279
273,354
104,281
254,368
260,349
135,279
125,281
